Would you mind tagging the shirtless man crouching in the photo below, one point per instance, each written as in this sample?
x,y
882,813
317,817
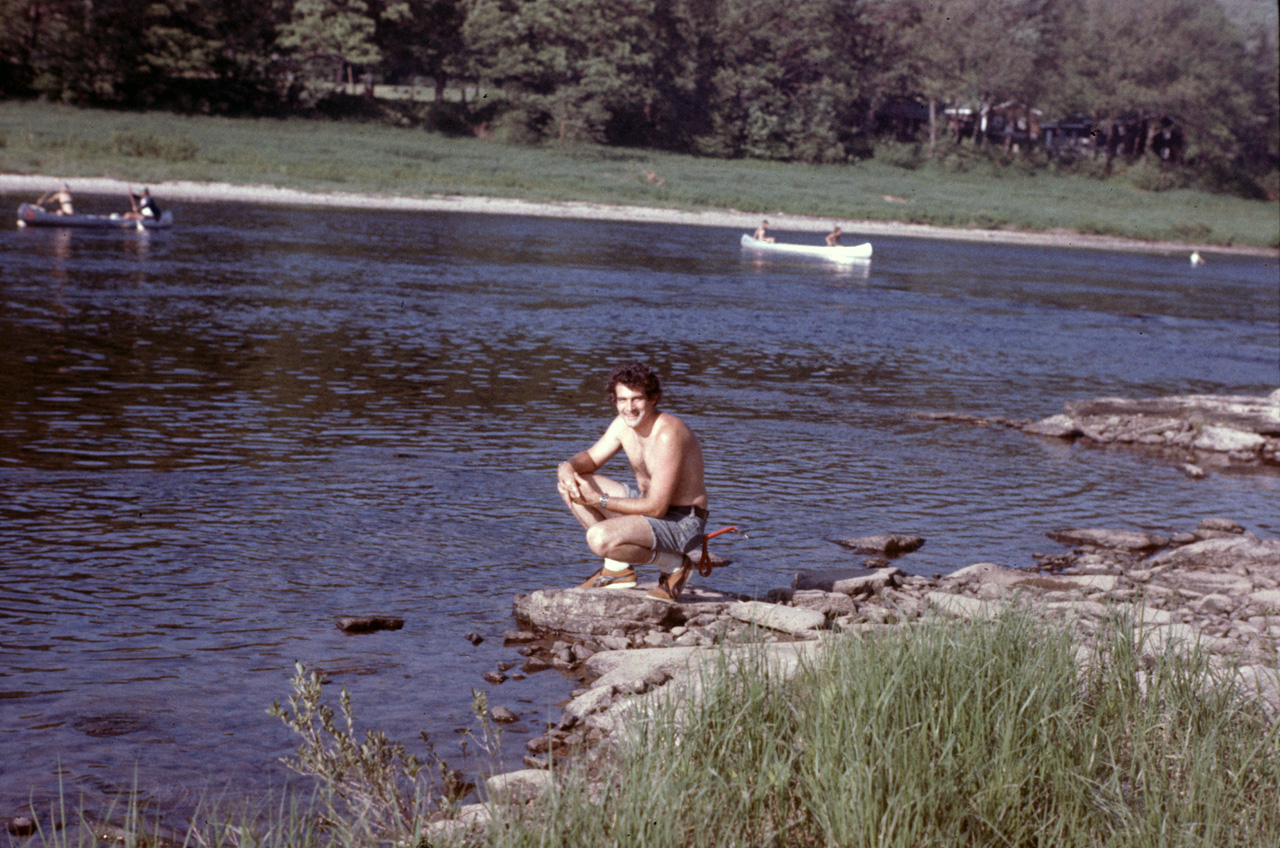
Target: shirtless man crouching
x,y
660,519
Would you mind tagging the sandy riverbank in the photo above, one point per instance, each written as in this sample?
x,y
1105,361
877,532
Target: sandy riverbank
x,y
265,194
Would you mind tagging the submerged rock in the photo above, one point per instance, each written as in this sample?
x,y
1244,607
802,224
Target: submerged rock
x,y
846,582
21,825
1126,540
1055,426
888,544
369,623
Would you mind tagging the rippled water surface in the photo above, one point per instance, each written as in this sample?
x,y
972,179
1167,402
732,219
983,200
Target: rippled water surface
x,y
215,441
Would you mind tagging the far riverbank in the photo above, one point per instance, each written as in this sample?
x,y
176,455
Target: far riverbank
x,y
190,191
352,165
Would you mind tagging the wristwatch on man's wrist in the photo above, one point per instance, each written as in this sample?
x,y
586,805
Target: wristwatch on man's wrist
x,y
604,501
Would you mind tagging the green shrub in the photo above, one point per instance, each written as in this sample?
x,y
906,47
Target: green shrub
x,y
907,156
1150,174
368,789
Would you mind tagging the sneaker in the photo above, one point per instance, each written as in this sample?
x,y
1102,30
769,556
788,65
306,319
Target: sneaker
x,y
605,579
671,585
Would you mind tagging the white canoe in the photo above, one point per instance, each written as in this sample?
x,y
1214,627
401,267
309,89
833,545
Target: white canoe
x,y
838,253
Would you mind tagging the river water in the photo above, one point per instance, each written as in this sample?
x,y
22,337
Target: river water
x,y
216,440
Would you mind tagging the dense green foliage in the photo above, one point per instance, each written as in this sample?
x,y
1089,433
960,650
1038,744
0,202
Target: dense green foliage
x,y
774,79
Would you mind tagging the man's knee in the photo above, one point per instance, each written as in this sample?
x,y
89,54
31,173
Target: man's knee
x,y
599,540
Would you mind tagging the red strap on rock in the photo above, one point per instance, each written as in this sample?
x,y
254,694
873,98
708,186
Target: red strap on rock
x,y
704,564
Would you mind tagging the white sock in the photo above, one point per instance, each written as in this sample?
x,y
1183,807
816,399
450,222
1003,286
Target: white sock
x,y
615,565
667,563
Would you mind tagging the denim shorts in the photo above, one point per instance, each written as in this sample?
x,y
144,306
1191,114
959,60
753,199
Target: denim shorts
x,y
679,531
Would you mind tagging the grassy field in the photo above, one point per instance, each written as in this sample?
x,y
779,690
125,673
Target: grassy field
x,y
961,190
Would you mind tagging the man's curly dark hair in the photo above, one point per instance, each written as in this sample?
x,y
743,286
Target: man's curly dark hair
x,y
633,375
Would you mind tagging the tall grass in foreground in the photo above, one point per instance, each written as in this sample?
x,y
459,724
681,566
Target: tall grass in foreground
x,y
962,188
942,735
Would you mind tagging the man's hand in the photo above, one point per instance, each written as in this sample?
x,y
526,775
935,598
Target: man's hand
x,y
574,487
571,489
577,490
568,482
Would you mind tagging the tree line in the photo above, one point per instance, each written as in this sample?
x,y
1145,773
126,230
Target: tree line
x,y
794,80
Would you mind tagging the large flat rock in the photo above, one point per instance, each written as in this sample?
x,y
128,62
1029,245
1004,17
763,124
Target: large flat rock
x,y
599,612
1245,413
616,667
961,606
591,611
1244,550
793,620
689,670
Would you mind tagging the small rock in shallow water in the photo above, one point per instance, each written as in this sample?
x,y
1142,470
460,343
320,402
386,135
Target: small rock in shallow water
x,y
21,826
888,544
519,636
369,623
1224,525
502,715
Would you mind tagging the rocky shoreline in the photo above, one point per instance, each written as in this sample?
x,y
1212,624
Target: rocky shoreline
x,y
1214,587
1201,433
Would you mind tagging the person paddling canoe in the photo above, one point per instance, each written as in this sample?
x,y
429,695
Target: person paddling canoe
x,y
63,198
659,520
142,206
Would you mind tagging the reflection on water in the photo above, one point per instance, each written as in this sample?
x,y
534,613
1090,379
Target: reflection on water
x,y
855,269
216,440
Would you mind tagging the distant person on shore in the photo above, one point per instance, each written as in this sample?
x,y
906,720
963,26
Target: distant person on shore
x,y
63,198
833,237
761,231
660,519
142,206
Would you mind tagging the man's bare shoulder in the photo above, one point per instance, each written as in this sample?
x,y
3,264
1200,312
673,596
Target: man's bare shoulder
x,y
670,426
616,430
